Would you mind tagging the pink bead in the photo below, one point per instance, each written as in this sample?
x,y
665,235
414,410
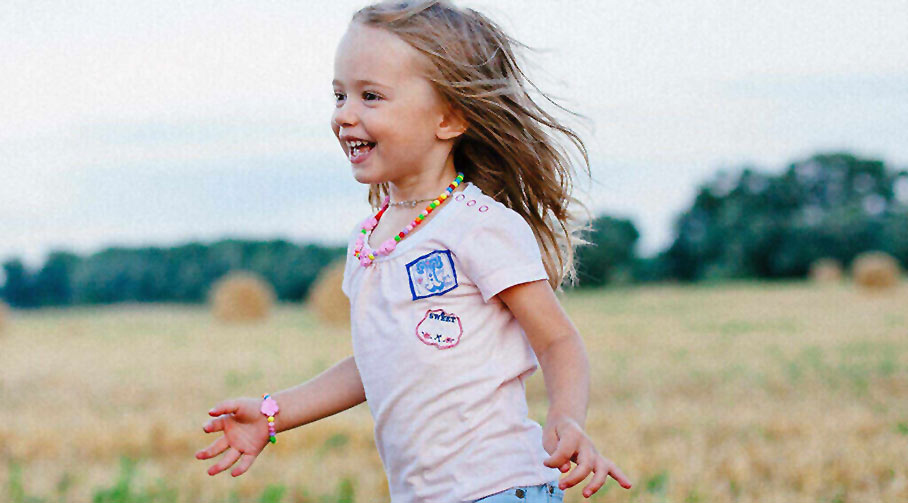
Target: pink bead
x,y
359,244
387,247
410,227
364,259
370,223
269,407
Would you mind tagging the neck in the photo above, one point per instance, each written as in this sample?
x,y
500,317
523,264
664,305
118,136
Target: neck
x,y
425,184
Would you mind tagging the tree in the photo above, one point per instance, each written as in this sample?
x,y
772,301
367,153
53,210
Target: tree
x,y
610,254
754,224
18,290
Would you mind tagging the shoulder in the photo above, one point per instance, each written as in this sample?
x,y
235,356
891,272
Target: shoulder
x,y
481,211
489,227
498,248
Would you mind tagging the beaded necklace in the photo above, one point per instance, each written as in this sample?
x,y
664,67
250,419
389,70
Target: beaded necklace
x,y
367,255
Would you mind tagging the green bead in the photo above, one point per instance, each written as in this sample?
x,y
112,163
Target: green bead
x,y
397,238
273,440
364,231
432,205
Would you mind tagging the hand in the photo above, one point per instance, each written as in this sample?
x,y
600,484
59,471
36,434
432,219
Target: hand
x,y
245,434
566,441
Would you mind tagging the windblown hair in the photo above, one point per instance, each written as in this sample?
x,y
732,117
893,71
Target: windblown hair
x,y
506,149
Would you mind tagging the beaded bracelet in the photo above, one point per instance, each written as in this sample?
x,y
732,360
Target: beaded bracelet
x,y
270,408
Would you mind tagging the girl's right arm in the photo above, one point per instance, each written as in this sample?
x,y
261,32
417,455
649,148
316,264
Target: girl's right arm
x,y
334,390
246,428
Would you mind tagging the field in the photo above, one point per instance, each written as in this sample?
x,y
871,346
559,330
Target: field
x,y
744,392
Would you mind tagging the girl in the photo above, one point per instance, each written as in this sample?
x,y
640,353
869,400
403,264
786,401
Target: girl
x,y
451,281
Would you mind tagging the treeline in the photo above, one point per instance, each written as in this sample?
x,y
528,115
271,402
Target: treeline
x,y
178,274
746,223
751,224
743,223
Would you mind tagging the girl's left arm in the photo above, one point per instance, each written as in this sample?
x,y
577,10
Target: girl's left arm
x,y
566,371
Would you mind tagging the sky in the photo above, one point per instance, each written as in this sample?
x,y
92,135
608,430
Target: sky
x,y
135,123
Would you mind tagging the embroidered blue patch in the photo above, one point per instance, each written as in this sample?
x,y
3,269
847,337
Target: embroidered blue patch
x,y
432,274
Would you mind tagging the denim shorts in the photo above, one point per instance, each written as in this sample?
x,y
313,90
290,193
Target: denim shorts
x,y
542,493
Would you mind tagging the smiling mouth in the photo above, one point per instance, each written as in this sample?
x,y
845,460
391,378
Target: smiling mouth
x,y
360,149
360,152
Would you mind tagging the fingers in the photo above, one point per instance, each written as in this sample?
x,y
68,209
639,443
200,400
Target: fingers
x,y
602,468
585,460
216,424
225,407
562,455
243,465
618,475
216,447
601,473
228,459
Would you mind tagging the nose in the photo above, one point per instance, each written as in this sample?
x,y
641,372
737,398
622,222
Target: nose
x,y
345,115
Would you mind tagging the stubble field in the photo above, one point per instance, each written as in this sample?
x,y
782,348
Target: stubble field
x,y
745,392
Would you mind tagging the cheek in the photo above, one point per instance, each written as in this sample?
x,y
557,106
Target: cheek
x,y
405,130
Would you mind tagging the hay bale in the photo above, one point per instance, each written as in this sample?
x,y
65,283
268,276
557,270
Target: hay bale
x,y
876,270
327,299
826,270
241,296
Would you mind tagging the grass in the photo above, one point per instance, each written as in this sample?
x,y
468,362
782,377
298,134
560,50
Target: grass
x,y
722,393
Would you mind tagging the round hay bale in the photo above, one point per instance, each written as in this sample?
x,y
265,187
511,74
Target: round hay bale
x,y
241,296
876,270
327,299
825,270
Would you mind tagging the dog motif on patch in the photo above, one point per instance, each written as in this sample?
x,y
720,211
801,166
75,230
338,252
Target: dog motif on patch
x,y
432,274
439,329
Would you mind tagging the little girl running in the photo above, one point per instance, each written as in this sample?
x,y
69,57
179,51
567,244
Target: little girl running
x,y
451,283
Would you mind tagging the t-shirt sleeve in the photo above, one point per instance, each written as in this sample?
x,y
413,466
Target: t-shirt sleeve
x,y
499,252
351,261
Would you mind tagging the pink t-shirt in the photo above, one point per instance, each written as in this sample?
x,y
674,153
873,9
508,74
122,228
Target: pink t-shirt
x,y
442,360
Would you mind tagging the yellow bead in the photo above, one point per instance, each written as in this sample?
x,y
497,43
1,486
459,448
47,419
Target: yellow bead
x,y
442,197
371,257
270,419
437,202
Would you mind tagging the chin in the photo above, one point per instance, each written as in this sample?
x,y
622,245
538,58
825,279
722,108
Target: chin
x,y
367,176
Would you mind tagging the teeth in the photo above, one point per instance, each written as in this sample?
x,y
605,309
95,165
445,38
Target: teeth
x,y
356,143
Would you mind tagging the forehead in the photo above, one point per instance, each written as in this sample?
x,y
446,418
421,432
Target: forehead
x,y
369,53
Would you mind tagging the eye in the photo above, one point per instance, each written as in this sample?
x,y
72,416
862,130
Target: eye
x,y
367,93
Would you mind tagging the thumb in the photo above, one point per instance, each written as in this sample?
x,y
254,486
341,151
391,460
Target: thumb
x,y
549,440
552,461
226,407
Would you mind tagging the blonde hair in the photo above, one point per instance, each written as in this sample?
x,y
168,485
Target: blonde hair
x,y
506,150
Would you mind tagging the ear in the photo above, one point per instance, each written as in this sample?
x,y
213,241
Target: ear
x,y
452,124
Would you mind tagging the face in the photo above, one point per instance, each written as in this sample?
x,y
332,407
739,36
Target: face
x,y
380,97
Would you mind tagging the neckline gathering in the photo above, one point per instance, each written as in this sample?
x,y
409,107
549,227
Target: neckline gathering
x,y
405,244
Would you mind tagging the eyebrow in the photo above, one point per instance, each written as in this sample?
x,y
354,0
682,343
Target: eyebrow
x,y
361,81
